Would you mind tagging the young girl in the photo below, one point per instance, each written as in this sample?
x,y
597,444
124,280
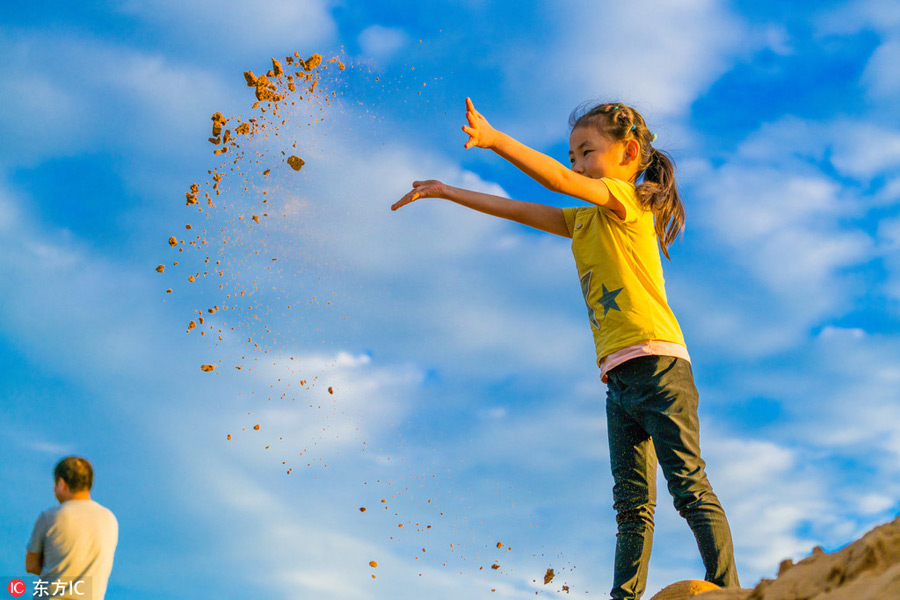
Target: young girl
x,y
651,401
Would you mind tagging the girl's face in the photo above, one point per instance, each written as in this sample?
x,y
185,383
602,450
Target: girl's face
x,y
593,154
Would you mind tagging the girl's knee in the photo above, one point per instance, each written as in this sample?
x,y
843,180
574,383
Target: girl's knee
x,y
635,512
694,497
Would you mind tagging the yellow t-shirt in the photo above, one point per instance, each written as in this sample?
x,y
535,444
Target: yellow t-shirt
x,y
621,273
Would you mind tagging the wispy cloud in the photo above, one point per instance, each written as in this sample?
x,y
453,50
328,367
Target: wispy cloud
x,y
381,43
109,96
240,27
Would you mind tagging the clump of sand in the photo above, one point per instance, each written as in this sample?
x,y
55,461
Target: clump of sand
x,y
867,569
295,162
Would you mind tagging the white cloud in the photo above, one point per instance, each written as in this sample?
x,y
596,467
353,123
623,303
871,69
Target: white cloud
x,y
381,43
858,148
57,290
855,15
108,96
786,229
247,28
10,216
345,401
890,192
889,246
864,150
801,235
52,448
658,55
881,77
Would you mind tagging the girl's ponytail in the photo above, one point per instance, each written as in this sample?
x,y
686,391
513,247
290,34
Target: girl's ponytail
x,y
657,192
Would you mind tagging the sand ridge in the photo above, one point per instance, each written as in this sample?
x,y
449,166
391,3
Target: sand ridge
x,y
867,569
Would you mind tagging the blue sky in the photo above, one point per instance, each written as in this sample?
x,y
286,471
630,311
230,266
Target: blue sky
x,y
457,346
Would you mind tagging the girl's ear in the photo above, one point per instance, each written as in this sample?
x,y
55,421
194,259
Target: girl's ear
x,y
630,152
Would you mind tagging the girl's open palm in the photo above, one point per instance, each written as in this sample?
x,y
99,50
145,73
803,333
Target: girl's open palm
x,y
431,188
481,134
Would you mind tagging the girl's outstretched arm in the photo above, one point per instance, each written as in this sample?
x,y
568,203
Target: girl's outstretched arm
x,y
540,216
550,173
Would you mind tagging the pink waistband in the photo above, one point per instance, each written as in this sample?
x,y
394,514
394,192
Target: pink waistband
x,y
651,348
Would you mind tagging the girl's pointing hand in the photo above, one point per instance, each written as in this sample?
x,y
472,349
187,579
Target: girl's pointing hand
x,y
422,189
481,134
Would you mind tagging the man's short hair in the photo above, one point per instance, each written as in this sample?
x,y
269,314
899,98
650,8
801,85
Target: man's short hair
x,y
76,472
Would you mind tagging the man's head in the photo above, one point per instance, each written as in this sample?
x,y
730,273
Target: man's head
x,y
72,477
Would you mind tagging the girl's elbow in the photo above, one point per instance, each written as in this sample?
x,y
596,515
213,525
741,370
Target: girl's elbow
x,y
558,184
565,181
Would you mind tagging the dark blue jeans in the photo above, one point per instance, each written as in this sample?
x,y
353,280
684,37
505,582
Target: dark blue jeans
x,y
651,409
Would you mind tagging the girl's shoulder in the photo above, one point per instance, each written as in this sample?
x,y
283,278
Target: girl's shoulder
x,y
625,193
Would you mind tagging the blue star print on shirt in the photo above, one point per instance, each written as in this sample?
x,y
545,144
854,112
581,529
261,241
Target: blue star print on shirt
x,y
607,300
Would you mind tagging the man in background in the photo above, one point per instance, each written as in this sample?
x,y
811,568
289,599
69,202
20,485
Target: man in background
x,y
73,544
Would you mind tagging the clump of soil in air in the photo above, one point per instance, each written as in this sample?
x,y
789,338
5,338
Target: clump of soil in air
x,y
331,390
362,509
256,427
373,564
160,268
296,162
548,576
218,122
207,368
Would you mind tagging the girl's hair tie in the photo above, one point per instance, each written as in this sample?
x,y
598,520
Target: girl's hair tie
x,y
633,127
653,138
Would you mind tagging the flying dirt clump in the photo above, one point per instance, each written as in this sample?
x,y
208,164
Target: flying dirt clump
x,y
296,162
218,122
548,576
265,90
207,368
